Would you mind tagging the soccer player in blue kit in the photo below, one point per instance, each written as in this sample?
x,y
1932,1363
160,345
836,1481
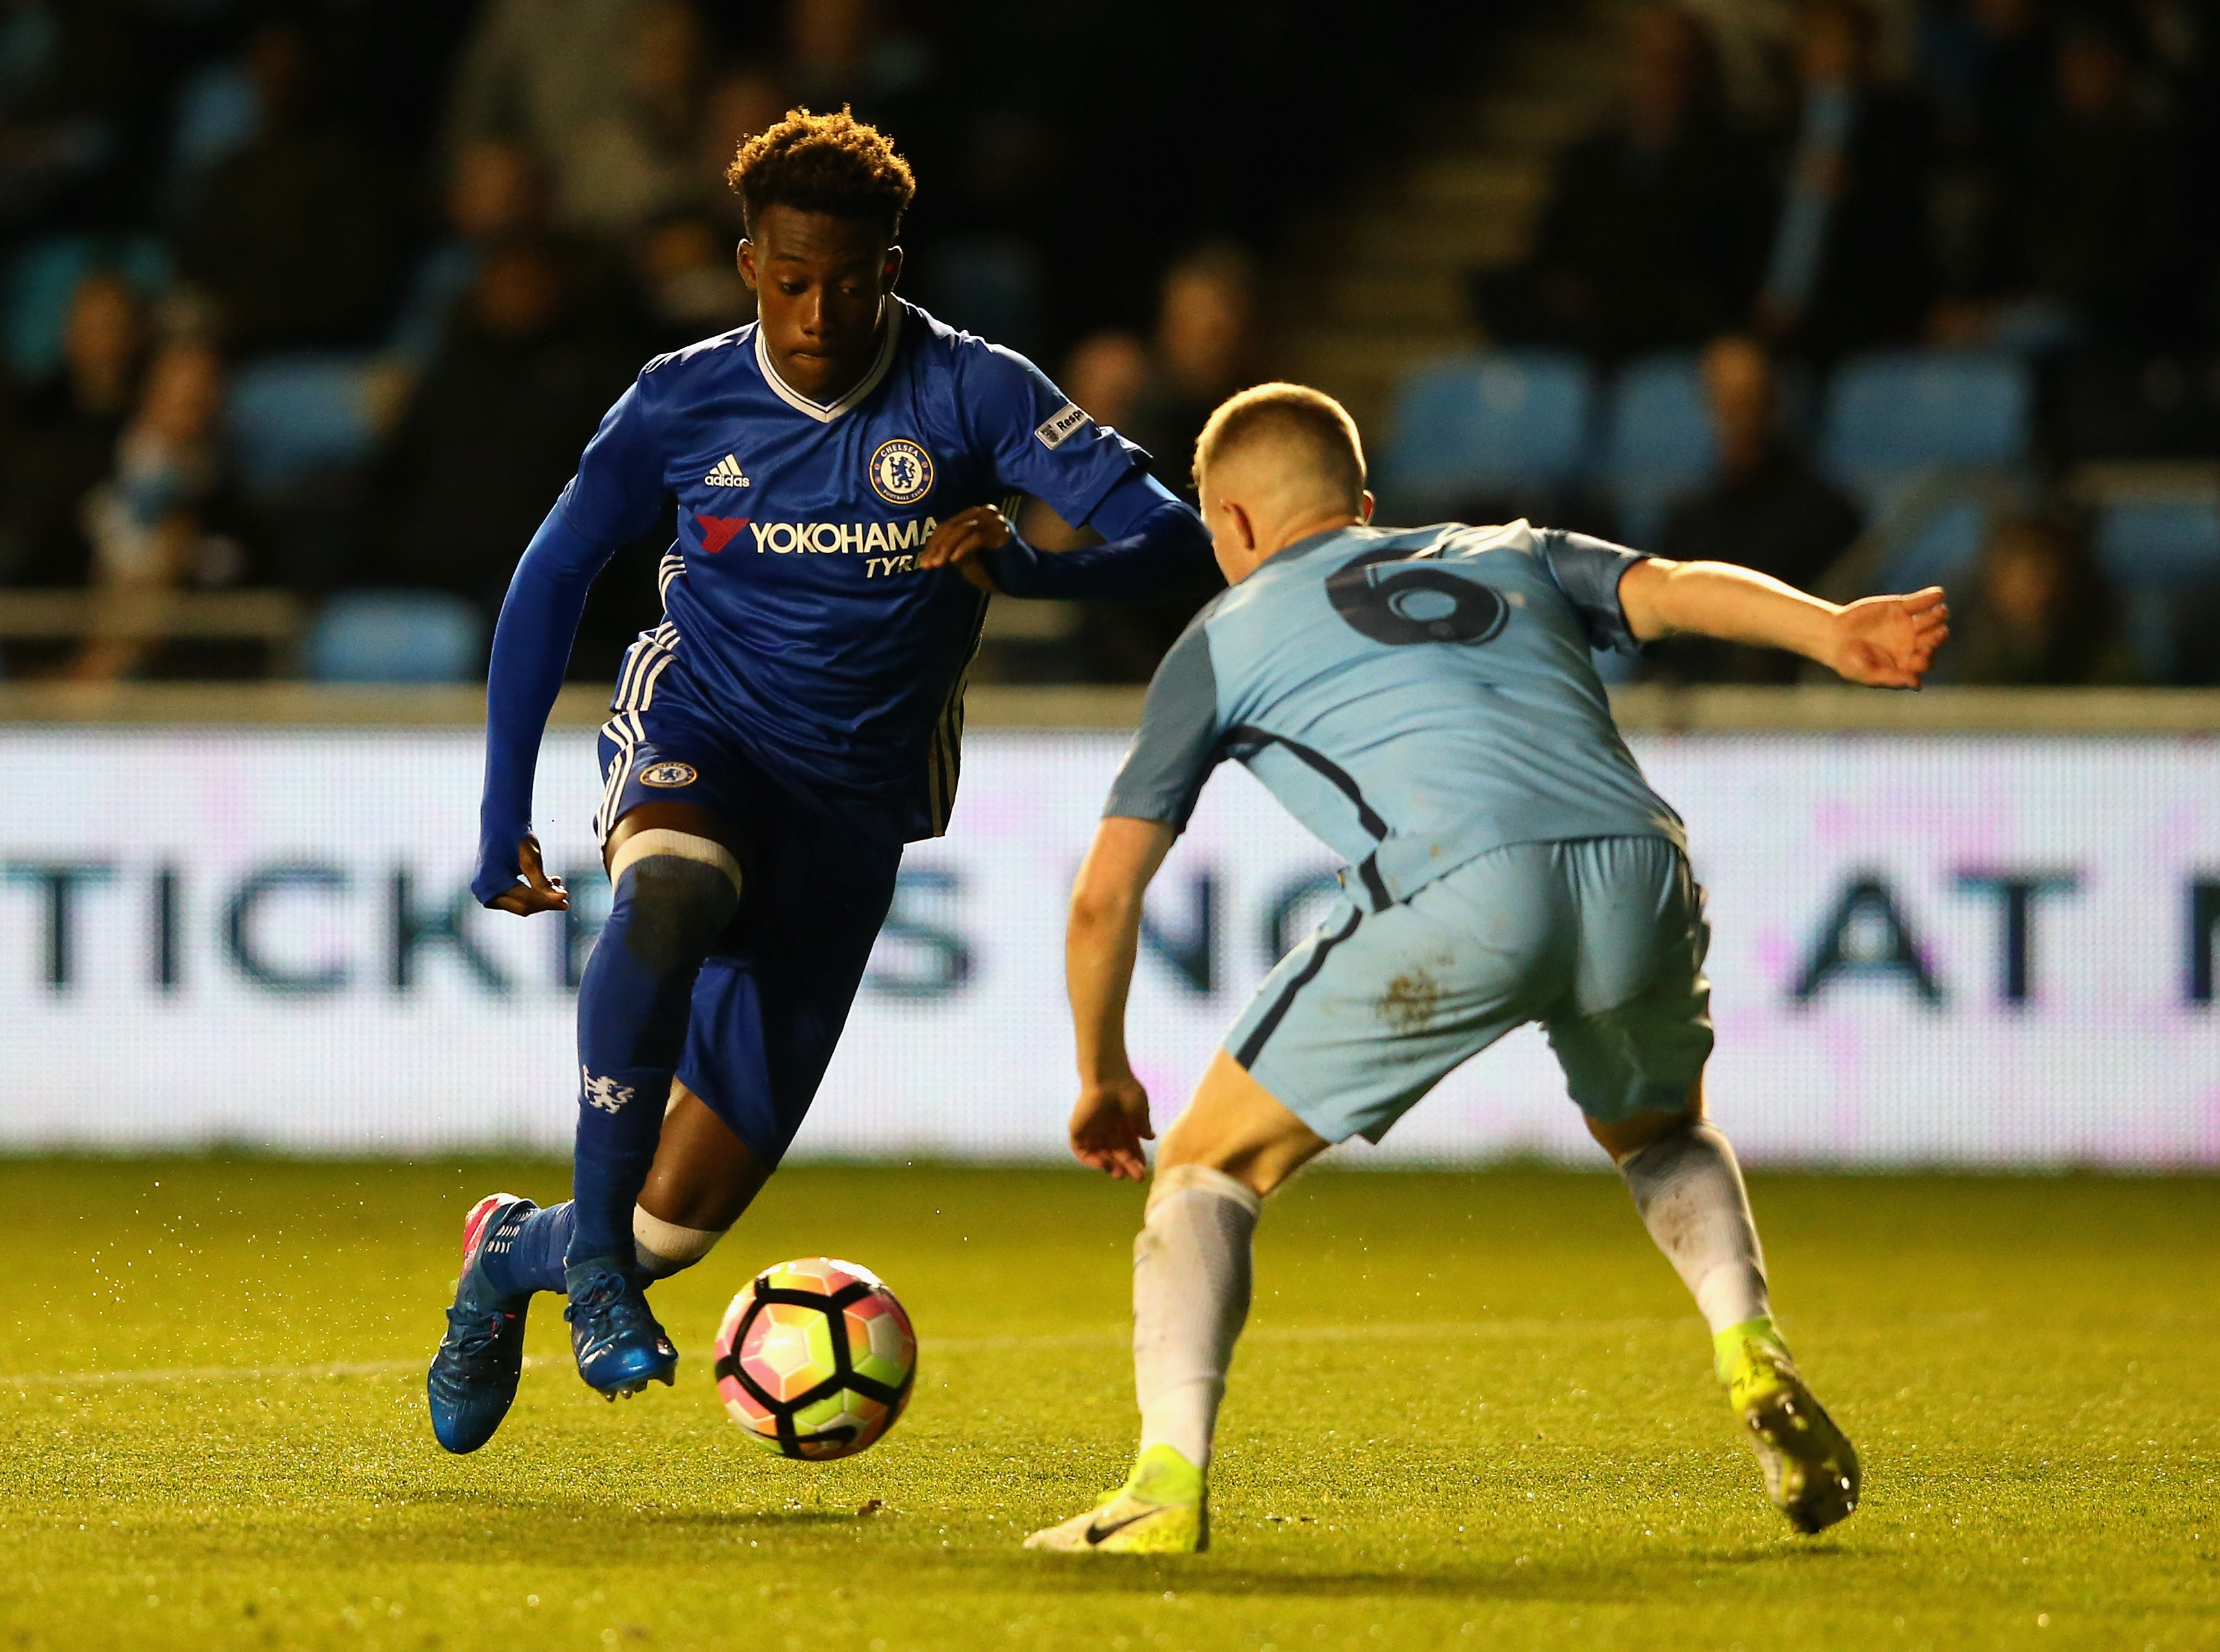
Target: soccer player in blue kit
x,y
772,745
1424,701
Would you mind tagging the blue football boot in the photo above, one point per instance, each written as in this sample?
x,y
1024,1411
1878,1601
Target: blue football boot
x,y
619,1348
473,1378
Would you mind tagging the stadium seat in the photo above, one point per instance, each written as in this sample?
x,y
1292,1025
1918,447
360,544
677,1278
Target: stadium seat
x,y
1495,423
1931,442
1656,443
395,637
2160,541
218,112
1940,546
1896,416
2154,551
291,417
42,281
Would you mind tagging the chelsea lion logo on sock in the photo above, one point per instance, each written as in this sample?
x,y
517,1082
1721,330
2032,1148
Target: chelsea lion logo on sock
x,y
669,774
902,471
604,1092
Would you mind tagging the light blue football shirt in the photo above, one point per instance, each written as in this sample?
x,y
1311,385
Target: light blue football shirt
x,y
1415,697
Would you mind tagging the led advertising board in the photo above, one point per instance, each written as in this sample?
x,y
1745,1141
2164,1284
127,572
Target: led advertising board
x,y
1937,949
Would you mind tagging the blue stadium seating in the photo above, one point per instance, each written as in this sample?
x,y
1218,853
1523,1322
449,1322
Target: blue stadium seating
x,y
395,637
1657,442
1924,439
2152,552
218,112
291,417
1939,547
1498,422
42,280
1894,416
2160,541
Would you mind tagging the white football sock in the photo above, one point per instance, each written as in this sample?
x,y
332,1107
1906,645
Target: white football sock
x,y
665,1248
1689,1191
1191,1271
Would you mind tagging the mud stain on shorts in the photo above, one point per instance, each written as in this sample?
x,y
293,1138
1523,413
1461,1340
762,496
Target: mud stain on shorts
x,y
1410,1001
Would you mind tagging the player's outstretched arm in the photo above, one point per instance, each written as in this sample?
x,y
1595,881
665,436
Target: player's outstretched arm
x,y
1883,642
1154,543
1110,1119
961,542
531,648
616,495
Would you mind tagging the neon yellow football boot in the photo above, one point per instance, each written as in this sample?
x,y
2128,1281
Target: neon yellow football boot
x,y
1810,1468
1163,1508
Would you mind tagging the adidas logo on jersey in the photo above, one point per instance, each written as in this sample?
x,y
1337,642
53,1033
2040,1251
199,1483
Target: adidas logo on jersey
x,y
728,474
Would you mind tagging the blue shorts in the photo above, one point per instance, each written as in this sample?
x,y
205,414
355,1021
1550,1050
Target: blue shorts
x,y
1600,940
775,992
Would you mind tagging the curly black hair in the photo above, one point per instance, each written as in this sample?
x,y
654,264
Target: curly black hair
x,y
831,164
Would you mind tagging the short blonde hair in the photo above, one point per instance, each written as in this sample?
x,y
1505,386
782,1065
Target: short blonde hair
x,y
1310,420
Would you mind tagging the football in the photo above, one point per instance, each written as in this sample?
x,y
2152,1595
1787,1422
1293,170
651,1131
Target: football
x,y
815,1359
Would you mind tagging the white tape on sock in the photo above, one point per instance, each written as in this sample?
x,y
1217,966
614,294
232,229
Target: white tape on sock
x,y
665,1248
684,845
1202,1178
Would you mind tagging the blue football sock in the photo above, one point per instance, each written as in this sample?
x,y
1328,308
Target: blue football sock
x,y
665,913
532,1257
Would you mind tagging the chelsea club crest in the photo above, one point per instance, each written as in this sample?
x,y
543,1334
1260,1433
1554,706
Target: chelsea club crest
x,y
902,471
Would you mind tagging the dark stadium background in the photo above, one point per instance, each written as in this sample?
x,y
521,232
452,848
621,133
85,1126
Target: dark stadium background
x,y
374,266
1069,154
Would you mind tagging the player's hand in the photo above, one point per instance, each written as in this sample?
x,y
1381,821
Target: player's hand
x,y
1889,642
1108,1127
539,892
957,542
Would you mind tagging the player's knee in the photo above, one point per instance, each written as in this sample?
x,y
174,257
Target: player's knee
x,y
662,1248
1649,1145
1237,1129
674,892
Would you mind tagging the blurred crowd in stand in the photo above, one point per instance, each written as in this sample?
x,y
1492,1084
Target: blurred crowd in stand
x,y
326,296
1788,190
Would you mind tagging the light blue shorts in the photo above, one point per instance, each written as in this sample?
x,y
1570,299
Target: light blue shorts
x,y
1600,940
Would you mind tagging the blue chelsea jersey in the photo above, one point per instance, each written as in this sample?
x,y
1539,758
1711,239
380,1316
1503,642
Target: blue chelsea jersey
x,y
795,617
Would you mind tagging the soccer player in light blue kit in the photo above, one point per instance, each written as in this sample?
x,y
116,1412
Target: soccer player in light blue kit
x,y
1424,702
794,720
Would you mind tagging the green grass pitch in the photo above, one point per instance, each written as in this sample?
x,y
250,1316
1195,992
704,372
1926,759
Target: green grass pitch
x,y
1471,1411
